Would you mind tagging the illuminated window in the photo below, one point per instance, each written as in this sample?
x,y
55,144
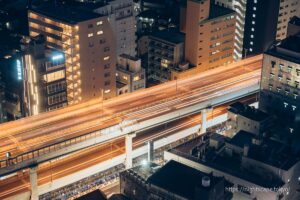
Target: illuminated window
x,y
90,35
99,23
253,22
136,78
106,58
32,15
57,57
165,63
54,76
99,32
33,34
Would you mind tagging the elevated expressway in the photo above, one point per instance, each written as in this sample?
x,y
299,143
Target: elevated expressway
x,y
38,139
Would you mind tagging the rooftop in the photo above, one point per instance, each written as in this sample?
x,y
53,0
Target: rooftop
x,y
67,14
129,57
144,171
94,195
228,164
118,197
181,179
171,36
291,43
273,153
217,137
241,138
218,11
287,49
248,112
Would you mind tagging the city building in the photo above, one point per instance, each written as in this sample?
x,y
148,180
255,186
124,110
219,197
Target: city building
x,y
130,75
11,87
265,22
45,86
165,53
210,35
122,19
259,23
239,6
171,181
86,38
254,168
280,82
247,118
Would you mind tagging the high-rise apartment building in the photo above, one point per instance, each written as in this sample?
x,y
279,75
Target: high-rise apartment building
x,y
259,23
239,6
86,38
280,84
44,78
210,34
122,20
265,22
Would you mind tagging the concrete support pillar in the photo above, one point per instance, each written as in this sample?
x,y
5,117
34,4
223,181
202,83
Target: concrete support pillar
x,y
150,151
34,183
203,121
128,147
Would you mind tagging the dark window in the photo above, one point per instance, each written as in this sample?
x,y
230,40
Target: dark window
x,y
90,26
102,41
273,63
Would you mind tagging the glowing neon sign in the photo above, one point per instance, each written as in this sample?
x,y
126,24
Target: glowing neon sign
x,y
19,69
